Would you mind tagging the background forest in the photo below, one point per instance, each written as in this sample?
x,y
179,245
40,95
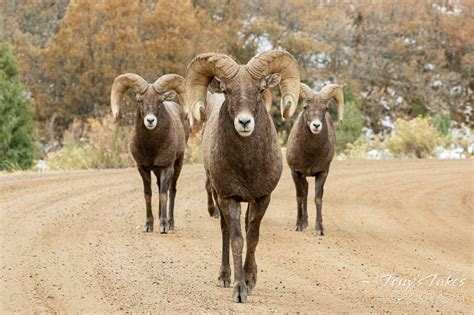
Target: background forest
x,y
407,67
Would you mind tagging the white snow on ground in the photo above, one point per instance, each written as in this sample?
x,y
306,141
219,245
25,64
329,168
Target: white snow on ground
x,y
443,153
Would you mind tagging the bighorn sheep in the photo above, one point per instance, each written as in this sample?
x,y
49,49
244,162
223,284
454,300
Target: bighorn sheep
x,y
216,99
241,152
311,146
159,138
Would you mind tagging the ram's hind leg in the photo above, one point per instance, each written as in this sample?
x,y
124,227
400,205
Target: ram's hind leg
x,y
211,207
301,186
255,213
174,181
318,198
225,272
146,177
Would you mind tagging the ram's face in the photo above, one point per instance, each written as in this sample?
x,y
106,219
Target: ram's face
x,y
314,113
150,104
244,96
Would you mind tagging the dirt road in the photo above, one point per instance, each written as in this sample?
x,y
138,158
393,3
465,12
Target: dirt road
x,y
395,232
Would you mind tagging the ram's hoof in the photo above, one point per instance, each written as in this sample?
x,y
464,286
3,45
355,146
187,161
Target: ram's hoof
x,y
223,282
240,292
320,230
164,228
171,224
213,212
149,227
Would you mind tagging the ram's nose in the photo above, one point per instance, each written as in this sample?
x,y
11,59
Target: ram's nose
x,y
150,121
244,123
316,125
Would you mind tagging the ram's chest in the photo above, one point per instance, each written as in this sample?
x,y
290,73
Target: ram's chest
x,y
153,153
243,171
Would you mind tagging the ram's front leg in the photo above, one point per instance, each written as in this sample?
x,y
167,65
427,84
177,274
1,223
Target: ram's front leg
x,y
164,176
254,216
318,198
231,211
146,177
301,186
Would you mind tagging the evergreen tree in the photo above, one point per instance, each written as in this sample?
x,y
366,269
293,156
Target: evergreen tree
x,y
17,143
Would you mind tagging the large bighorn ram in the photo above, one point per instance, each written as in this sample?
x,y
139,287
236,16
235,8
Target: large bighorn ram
x,y
311,146
242,155
159,138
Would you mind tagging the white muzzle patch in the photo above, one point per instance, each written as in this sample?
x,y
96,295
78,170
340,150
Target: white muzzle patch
x,y
316,126
244,123
150,121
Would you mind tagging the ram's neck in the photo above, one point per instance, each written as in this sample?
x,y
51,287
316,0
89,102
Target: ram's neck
x,y
314,144
155,144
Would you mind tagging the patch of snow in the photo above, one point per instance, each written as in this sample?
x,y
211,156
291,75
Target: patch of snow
x,y
387,122
470,148
444,154
41,166
368,132
383,101
379,155
436,83
429,66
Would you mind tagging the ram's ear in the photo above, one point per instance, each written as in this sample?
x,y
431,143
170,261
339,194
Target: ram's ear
x,y
170,95
270,81
219,85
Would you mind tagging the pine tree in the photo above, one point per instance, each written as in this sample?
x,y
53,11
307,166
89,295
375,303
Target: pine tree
x,y
17,143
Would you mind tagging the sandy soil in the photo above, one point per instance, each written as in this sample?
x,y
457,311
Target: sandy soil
x,y
74,242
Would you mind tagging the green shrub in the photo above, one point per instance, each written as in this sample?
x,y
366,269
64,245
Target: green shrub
x,y
419,109
351,129
414,138
442,123
17,142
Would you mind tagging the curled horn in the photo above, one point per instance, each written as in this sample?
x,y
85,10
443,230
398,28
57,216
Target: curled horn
x,y
200,72
267,99
173,82
334,91
306,92
282,62
121,84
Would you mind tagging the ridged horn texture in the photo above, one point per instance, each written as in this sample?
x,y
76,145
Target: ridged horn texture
x,y
173,82
200,72
306,92
121,84
267,99
282,62
334,91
